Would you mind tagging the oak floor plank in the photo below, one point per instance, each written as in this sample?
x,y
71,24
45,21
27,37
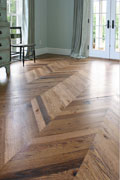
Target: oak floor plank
x,y
59,119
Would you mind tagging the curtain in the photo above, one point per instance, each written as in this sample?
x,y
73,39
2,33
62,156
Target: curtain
x,y
28,22
81,29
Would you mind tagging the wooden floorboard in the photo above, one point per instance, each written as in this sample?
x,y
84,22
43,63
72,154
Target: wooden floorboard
x,y
102,160
59,119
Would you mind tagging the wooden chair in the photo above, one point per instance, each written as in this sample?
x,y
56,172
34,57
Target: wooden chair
x,y
16,33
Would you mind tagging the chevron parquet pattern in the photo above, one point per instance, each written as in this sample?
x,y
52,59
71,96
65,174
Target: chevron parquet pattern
x,y
59,120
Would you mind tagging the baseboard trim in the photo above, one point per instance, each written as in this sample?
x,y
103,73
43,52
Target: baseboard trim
x,y
41,51
59,51
48,50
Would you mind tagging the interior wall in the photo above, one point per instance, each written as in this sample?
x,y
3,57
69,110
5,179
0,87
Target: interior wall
x,y
53,23
41,23
60,23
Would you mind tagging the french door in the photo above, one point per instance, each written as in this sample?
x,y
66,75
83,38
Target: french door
x,y
105,29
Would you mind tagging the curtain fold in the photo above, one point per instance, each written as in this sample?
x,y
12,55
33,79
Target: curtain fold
x,y
81,29
28,22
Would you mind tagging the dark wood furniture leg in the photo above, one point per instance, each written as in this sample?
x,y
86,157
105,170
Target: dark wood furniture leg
x,y
34,54
20,52
10,53
23,56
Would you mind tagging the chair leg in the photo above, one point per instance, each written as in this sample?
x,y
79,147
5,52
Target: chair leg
x,y
23,56
34,55
20,52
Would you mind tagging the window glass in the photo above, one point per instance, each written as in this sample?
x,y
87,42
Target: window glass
x,y
14,12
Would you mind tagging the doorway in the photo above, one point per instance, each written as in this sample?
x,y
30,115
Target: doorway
x,y
105,29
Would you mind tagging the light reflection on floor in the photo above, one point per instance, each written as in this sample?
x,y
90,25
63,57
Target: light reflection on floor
x,y
3,76
102,76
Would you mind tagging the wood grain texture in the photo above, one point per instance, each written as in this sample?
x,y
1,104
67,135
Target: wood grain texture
x,y
59,119
102,160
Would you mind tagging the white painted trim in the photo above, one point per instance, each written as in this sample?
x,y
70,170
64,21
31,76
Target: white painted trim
x,y
52,51
59,51
41,51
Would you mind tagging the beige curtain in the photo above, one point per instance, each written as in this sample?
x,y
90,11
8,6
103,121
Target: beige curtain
x,y
81,29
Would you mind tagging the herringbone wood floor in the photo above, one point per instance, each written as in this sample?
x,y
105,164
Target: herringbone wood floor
x,y
59,120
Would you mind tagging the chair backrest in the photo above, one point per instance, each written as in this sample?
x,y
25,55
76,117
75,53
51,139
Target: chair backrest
x,y
16,33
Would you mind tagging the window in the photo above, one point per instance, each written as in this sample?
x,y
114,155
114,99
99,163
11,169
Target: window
x,y
117,45
14,16
14,12
105,29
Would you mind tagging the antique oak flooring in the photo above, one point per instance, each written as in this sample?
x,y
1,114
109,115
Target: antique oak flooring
x,y
59,120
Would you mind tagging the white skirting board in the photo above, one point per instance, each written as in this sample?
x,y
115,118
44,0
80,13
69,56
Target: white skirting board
x,y
53,51
40,51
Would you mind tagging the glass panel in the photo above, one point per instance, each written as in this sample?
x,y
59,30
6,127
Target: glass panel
x,y
9,18
13,6
117,33
117,47
99,24
11,12
13,20
99,7
8,10
118,7
98,44
99,19
99,32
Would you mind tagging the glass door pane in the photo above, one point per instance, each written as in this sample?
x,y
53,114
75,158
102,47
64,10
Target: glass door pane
x,y
117,31
105,29
99,32
99,24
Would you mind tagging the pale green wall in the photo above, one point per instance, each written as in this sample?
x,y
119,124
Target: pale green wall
x,y
41,23
54,23
60,23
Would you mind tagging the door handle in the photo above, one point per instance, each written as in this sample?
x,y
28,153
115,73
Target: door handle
x,y
108,24
113,24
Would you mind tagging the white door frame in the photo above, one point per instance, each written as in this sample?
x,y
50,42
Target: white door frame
x,y
113,53
109,52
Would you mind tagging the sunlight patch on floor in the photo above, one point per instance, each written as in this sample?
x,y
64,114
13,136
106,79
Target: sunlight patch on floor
x,y
3,75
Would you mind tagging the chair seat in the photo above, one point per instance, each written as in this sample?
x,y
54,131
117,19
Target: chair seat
x,y
22,45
